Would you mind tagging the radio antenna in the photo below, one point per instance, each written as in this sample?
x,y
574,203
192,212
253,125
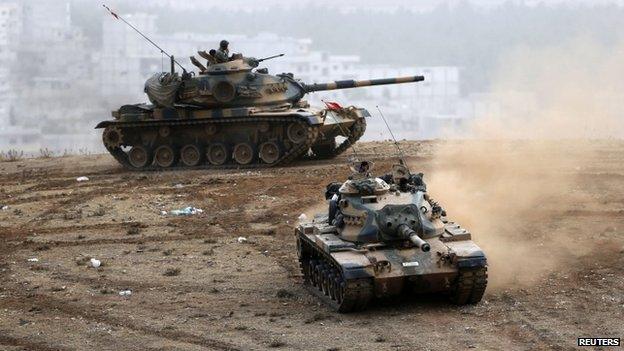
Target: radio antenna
x,y
144,36
396,143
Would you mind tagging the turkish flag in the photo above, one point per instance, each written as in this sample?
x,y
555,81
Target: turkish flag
x,y
334,106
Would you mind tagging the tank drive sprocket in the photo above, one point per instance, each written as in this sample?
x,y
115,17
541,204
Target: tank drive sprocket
x,y
112,137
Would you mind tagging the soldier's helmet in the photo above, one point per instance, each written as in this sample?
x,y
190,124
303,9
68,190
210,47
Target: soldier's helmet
x,y
224,44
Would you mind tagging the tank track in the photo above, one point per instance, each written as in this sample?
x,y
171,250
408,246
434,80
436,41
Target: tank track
x,y
295,152
323,277
355,133
470,286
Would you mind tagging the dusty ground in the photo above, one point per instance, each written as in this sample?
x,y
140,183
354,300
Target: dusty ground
x,y
195,287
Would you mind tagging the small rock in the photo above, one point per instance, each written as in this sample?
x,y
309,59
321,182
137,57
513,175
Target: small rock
x,y
82,179
172,272
241,239
95,263
277,343
284,294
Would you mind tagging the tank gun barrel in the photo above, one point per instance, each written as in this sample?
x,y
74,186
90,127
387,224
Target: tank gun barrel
x,y
270,57
409,233
346,84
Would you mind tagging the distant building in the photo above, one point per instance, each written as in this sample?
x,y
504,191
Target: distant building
x,y
54,97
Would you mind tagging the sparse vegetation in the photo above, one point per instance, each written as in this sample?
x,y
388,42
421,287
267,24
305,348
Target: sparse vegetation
x,y
46,153
11,155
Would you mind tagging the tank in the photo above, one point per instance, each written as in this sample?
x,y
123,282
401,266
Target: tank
x,y
232,114
384,237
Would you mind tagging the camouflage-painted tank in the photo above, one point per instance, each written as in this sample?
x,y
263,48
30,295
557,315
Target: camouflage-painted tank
x,y
232,114
383,237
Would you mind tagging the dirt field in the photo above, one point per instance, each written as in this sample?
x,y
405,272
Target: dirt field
x,y
556,262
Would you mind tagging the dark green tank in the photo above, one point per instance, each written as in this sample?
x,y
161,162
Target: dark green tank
x,y
232,114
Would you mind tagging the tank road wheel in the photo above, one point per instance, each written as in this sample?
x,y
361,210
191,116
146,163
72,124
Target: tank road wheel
x,y
333,286
297,133
269,152
469,286
140,156
217,154
326,280
190,155
311,272
243,153
319,277
339,290
112,137
165,156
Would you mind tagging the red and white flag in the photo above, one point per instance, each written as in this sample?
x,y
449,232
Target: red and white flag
x,y
334,106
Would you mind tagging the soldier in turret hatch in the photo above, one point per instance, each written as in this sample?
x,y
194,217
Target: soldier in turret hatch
x,y
223,53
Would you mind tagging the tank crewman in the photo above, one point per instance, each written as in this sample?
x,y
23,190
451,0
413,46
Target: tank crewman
x,y
223,53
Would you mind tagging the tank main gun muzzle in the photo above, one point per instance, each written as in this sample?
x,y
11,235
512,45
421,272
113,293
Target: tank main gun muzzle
x,y
346,84
407,232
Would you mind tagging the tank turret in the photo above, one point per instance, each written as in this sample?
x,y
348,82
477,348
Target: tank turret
x,y
237,84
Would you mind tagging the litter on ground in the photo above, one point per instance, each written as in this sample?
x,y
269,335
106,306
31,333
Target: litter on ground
x,y
95,263
187,211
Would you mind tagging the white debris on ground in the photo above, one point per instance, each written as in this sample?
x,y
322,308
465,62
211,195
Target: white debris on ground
x,y
82,179
163,213
125,293
95,263
33,259
4,207
187,211
241,239
302,217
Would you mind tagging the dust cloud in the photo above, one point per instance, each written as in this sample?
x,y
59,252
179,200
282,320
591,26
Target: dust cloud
x,y
512,182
